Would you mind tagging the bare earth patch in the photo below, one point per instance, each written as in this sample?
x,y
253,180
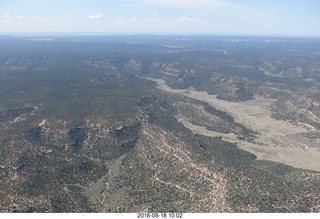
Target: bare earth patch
x,y
278,141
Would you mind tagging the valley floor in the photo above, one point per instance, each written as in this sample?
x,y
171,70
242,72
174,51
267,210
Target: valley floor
x,y
278,141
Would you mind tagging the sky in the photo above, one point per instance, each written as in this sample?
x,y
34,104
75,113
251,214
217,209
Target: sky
x,y
214,17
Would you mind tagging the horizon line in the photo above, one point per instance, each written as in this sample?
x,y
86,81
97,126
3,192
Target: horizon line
x,y
83,33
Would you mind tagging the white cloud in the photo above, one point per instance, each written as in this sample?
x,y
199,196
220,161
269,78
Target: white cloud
x,y
25,23
5,21
20,17
6,18
6,15
95,17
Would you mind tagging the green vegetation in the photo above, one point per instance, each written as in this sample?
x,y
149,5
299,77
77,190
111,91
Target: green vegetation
x,y
82,131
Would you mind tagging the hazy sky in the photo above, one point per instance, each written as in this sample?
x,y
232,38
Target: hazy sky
x,y
219,17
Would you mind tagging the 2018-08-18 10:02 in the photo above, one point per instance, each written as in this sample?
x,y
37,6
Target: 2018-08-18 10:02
x,y
160,215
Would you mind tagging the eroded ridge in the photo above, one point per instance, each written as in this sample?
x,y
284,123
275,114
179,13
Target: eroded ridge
x,y
206,186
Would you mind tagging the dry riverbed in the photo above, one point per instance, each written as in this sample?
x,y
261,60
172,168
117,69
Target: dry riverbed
x,y
278,141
